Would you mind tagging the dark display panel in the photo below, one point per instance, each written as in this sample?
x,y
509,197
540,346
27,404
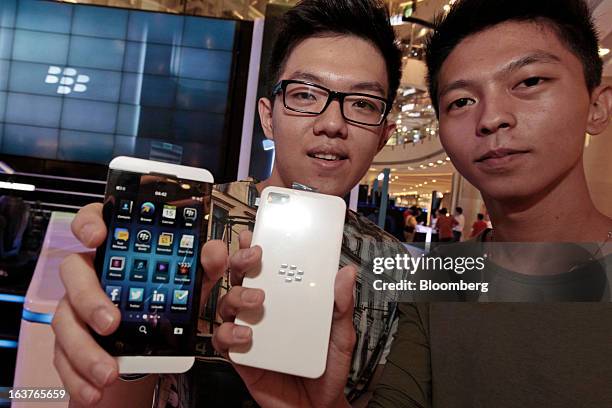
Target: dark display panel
x,y
149,266
84,83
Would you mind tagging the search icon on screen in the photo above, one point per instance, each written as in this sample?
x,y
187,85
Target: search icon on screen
x,y
142,329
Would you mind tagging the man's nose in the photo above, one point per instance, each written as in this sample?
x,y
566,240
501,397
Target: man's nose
x,y
496,113
331,123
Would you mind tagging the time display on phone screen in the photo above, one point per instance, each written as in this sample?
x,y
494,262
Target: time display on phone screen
x,y
149,266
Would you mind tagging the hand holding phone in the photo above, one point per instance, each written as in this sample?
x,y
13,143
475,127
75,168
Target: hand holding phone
x,y
263,385
149,265
88,373
300,234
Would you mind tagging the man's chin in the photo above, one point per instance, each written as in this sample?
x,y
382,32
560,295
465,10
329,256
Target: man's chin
x,y
331,187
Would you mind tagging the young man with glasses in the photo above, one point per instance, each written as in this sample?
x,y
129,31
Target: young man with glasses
x,y
335,69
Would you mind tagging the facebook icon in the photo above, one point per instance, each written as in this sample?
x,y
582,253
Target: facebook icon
x,y
114,293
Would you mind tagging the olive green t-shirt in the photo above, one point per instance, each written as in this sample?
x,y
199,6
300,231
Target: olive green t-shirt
x,y
482,355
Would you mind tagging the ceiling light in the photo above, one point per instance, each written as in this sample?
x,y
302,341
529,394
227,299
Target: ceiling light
x,y
603,52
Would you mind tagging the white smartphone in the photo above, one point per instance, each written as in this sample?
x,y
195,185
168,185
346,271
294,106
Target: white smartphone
x,y
157,216
300,234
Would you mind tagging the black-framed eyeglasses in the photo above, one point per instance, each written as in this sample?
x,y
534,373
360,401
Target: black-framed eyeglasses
x,y
313,99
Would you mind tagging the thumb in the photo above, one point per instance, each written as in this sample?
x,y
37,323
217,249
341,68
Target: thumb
x,y
343,332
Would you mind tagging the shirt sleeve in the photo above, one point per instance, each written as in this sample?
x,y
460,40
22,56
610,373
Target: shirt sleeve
x,y
406,380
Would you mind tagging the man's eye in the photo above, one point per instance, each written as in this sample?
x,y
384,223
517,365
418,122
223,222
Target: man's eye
x,y
304,96
530,82
460,103
364,105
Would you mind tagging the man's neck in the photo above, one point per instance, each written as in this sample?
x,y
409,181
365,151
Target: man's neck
x,y
274,180
565,213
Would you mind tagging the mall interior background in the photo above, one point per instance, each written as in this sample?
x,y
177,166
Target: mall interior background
x,y
147,89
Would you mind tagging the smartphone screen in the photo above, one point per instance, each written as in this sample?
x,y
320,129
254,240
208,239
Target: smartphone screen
x,y
149,266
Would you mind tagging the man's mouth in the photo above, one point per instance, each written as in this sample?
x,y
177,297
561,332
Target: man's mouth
x,y
327,156
499,154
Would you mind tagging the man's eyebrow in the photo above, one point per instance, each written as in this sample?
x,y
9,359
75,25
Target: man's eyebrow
x,y
539,56
369,86
459,84
305,76
372,86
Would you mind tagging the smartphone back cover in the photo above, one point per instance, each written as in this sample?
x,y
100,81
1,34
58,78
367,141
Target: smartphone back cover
x,y
300,234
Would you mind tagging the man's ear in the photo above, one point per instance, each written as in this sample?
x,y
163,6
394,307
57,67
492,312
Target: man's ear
x,y
387,132
264,106
600,110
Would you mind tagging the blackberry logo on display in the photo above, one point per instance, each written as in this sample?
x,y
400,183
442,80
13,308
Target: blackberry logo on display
x,y
291,273
68,79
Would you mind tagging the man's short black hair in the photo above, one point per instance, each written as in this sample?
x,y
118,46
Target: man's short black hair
x,y
480,216
459,210
443,211
570,19
366,19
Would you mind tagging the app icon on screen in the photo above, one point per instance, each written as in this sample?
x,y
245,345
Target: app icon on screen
x,y
168,214
190,214
187,241
140,265
158,296
180,297
136,294
183,268
114,293
125,209
143,236
162,267
147,209
182,273
117,263
122,234
165,239
158,300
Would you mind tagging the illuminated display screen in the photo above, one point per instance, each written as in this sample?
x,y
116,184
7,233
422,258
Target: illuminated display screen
x,y
85,83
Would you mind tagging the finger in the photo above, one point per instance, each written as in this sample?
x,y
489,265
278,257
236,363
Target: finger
x,y
237,299
343,332
92,363
86,295
244,261
230,335
343,291
215,261
80,391
244,239
88,225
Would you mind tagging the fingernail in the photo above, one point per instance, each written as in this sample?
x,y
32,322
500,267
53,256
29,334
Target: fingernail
x,y
102,373
89,395
103,319
250,296
241,332
87,232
